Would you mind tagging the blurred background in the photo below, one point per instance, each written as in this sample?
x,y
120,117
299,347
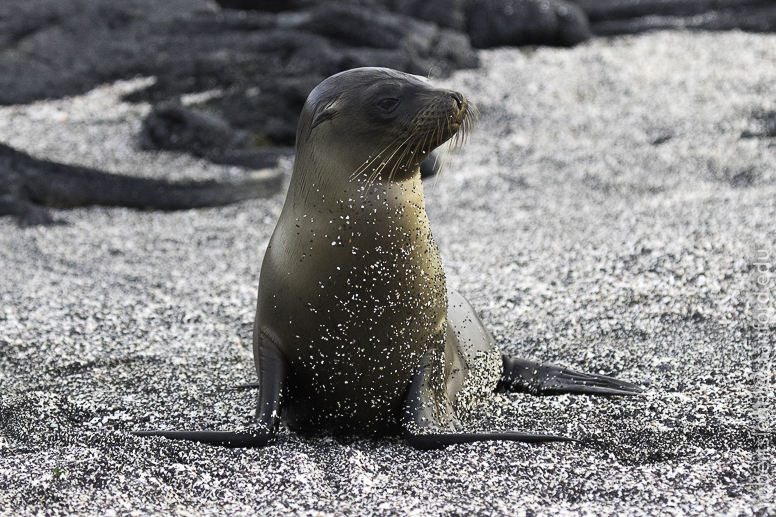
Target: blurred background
x,y
231,76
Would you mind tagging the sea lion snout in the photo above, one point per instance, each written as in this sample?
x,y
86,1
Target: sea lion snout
x,y
446,114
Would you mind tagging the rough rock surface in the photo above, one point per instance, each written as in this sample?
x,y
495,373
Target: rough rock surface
x,y
173,126
45,183
51,48
609,17
498,23
606,216
258,67
93,158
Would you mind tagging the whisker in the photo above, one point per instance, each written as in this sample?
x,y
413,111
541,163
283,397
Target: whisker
x,y
419,150
399,160
445,153
370,162
373,177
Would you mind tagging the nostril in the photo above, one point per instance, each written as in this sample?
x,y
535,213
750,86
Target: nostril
x,y
458,99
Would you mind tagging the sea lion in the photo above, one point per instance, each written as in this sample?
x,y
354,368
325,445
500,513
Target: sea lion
x,y
356,331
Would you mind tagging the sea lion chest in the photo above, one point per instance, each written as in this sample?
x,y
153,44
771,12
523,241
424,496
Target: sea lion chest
x,y
352,285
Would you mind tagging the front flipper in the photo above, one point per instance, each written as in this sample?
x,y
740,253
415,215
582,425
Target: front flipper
x,y
428,419
272,376
524,376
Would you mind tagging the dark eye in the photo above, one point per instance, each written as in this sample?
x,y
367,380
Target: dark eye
x,y
387,104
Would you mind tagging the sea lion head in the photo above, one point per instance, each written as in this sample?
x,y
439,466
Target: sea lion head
x,y
376,124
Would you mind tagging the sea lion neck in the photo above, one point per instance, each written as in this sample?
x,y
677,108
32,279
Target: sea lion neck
x,y
345,174
378,198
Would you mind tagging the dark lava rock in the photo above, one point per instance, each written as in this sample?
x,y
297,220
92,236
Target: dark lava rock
x,y
27,184
263,64
270,112
493,23
274,6
598,10
457,14
610,17
261,58
445,13
25,212
272,70
173,126
763,125
50,48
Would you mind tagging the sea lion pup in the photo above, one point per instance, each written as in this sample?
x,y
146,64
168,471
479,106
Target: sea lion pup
x,y
356,331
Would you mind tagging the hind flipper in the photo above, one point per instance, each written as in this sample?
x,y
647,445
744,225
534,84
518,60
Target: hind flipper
x,y
522,375
429,421
272,376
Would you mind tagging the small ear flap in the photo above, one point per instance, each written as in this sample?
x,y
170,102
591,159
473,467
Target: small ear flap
x,y
327,113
